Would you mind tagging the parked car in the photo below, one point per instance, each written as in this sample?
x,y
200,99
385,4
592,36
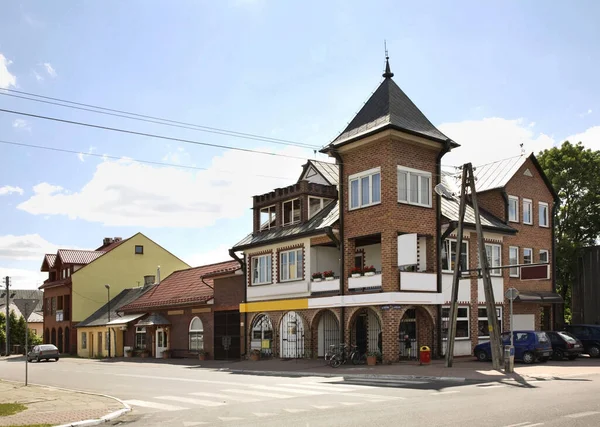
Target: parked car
x,y
564,345
530,346
43,352
589,335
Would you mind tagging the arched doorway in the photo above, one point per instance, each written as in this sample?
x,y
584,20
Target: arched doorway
x,y
366,331
416,329
261,337
67,340
292,336
328,332
60,340
53,336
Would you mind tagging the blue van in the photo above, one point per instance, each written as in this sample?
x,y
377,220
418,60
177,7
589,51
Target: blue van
x,y
530,346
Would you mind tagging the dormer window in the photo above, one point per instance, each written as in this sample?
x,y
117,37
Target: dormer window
x,y
268,217
291,212
316,204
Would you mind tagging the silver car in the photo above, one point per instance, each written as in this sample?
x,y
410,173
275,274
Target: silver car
x,y
43,352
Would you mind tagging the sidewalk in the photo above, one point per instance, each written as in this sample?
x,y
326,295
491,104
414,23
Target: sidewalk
x,y
52,406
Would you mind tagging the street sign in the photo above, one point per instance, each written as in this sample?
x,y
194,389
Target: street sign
x,y
26,306
511,294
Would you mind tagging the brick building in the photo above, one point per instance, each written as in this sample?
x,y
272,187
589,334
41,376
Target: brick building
x,y
374,222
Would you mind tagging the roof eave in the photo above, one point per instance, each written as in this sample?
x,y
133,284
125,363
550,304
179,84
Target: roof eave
x,y
279,239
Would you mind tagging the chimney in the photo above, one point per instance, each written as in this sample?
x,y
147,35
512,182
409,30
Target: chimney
x,y
117,239
107,241
158,275
148,281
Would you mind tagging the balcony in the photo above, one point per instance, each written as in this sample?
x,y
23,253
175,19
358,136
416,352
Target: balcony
x,y
325,285
278,290
418,282
360,282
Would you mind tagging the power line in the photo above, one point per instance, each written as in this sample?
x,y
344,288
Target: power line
x,y
150,135
106,156
151,119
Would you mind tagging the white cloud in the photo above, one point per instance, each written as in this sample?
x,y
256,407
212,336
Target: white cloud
x,y
37,76
25,247
24,279
21,124
590,138
178,156
9,189
6,78
82,156
49,69
126,193
217,254
490,139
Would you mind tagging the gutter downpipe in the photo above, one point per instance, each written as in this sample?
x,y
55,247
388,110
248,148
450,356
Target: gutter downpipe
x,y
341,246
243,267
438,239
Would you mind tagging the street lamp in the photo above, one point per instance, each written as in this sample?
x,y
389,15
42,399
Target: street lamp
x,y
107,286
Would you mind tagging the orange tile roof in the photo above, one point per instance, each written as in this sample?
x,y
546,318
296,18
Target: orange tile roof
x,y
182,287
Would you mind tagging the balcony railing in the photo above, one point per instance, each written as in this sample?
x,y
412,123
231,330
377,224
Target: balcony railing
x,y
418,282
325,285
359,282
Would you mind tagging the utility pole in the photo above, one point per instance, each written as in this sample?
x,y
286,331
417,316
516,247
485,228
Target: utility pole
x,y
7,283
457,271
487,281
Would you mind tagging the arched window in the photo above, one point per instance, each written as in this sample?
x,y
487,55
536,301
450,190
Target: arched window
x,y
196,335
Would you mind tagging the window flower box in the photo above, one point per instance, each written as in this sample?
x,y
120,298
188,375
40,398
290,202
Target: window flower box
x,y
370,271
356,272
328,275
317,277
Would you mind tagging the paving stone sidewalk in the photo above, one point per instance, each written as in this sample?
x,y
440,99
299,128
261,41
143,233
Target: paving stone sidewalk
x,y
47,405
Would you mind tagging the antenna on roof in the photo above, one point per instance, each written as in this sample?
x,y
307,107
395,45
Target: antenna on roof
x,y
522,149
388,73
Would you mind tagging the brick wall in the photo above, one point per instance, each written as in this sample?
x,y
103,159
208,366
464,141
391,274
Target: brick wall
x,y
51,323
229,292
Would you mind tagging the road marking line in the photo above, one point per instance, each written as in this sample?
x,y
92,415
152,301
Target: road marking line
x,y
225,397
351,403
337,385
582,414
260,393
321,387
444,392
263,414
287,390
154,405
230,418
322,406
525,424
200,402
193,423
295,411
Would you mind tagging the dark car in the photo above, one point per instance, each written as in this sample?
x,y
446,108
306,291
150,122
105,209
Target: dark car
x,y
589,335
529,346
43,352
564,345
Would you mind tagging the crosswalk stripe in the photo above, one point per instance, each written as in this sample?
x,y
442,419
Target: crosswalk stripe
x,y
200,402
193,423
438,393
263,414
260,393
322,406
225,397
230,418
351,403
287,390
319,387
373,396
295,411
582,414
154,405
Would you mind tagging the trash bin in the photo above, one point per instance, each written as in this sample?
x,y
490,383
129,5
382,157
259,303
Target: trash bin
x,y
424,355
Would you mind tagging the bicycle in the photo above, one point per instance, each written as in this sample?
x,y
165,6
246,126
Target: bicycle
x,y
341,355
337,355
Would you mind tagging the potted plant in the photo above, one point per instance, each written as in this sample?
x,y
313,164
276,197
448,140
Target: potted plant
x,y
356,272
328,275
166,354
202,355
255,355
372,357
317,277
144,353
369,271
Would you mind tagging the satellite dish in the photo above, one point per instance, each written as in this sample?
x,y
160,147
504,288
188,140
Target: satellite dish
x,y
442,190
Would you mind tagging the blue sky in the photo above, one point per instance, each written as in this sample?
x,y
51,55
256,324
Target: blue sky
x,y
491,76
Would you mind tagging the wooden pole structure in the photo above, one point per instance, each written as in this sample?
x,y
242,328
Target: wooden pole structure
x,y
457,271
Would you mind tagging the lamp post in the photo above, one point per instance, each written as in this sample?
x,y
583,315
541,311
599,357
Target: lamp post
x,y
107,286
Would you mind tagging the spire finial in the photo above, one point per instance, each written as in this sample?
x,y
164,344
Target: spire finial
x,y
388,73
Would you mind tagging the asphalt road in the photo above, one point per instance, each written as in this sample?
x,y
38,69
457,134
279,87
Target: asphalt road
x,y
168,395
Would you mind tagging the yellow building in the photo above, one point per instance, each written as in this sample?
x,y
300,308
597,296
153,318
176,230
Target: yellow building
x,y
76,286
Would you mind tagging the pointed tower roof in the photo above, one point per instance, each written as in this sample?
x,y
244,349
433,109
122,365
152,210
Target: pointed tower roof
x,y
388,107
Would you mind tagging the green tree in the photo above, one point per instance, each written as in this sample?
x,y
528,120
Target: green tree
x,y
573,171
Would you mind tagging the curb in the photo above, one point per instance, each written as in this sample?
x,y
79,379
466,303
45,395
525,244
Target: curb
x,y
342,375
106,418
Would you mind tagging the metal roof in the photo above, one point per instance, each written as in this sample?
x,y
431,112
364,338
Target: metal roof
x,y
123,320
389,106
450,210
325,218
154,319
100,317
497,174
330,171
71,256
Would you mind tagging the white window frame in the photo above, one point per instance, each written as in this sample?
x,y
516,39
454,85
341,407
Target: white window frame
x,y
410,175
271,217
293,212
500,320
196,332
546,222
324,202
494,270
530,255
285,267
268,269
139,332
544,251
516,200
359,178
84,340
514,271
448,250
528,202
459,318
